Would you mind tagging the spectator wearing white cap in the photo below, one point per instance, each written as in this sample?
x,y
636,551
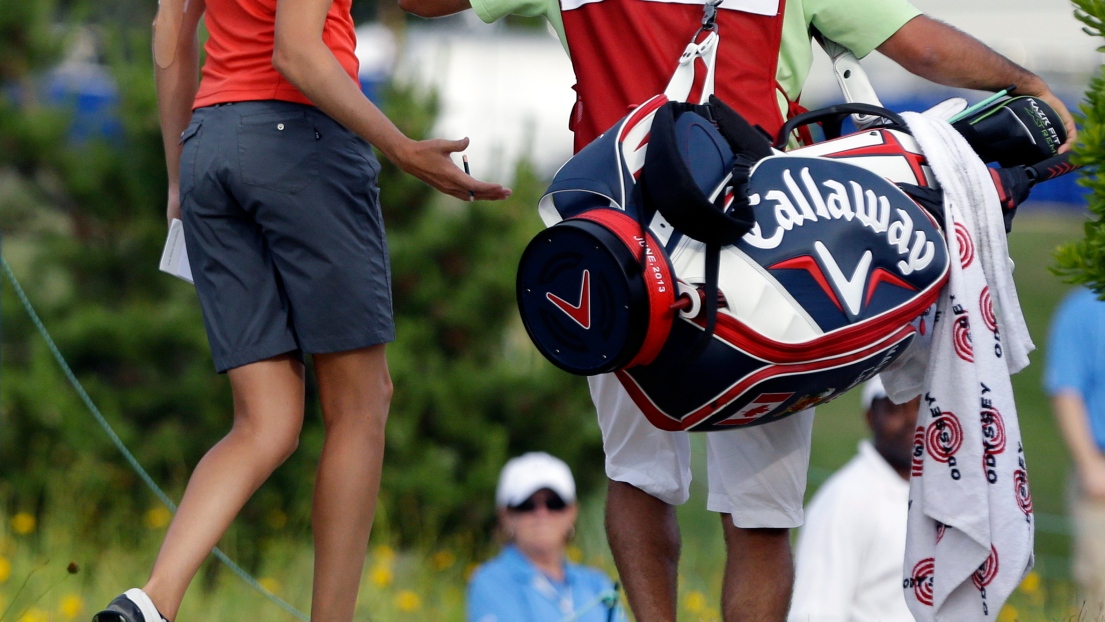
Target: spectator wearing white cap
x,y
531,580
850,551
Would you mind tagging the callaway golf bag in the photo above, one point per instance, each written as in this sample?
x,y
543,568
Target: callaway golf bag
x,y
727,283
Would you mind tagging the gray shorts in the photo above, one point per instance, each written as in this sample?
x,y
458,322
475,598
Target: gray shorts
x,y
284,232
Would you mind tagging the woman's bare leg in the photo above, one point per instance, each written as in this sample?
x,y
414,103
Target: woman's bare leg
x,y
268,417
355,391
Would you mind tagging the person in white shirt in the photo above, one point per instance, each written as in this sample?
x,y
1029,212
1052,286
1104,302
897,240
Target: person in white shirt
x,y
850,551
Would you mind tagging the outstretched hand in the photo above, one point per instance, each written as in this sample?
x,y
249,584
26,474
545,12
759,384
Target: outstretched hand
x,y
429,161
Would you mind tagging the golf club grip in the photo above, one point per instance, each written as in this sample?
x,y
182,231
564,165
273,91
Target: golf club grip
x,y
1055,166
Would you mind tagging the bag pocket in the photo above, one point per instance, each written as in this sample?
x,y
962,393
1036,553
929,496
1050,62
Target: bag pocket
x,y
278,151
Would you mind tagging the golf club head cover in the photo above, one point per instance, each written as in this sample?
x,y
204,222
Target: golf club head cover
x,y
1017,131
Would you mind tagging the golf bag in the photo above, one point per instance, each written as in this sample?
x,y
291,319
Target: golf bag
x,y
730,284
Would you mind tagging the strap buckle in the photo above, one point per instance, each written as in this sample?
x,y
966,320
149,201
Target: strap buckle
x,y
709,17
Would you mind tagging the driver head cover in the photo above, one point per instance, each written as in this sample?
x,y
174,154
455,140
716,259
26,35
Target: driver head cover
x,y
1021,130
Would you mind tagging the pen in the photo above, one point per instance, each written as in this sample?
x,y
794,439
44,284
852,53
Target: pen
x,y
471,195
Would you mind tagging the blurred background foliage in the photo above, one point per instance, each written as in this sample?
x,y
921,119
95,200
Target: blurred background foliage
x,y
1083,261
83,224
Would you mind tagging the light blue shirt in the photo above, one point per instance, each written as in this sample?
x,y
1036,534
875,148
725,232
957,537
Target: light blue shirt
x,y
511,589
1076,355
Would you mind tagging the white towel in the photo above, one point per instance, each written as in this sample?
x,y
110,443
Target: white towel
x,y
970,529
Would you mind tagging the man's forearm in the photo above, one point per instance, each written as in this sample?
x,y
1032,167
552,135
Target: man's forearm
x,y
940,53
945,55
434,8
1074,425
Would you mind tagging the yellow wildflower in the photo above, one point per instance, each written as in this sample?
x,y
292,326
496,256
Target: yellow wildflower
x,y
5,569
575,555
407,601
23,523
1031,583
695,602
158,517
270,584
384,553
1008,614
70,606
443,560
34,614
381,576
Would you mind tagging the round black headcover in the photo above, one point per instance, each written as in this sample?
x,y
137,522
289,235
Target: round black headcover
x,y
1011,132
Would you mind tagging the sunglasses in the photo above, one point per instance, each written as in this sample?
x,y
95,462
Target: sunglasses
x,y
552,503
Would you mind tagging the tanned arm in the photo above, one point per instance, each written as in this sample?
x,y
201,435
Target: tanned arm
x,y
941,53
304,59
1074,425
434,8
177,83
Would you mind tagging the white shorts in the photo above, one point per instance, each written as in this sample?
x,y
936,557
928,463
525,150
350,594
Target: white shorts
x,y
757,474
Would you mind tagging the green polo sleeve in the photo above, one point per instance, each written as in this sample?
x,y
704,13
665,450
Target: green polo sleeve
x,y
493,10
859,25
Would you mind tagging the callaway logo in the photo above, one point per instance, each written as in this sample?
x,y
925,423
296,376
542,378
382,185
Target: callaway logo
x,y
581,313
851,289
830,199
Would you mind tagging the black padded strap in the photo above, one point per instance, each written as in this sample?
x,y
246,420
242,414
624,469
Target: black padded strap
x,y
743,138
671,190
667,186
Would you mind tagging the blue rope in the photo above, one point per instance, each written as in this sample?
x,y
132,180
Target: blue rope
x,y
160,494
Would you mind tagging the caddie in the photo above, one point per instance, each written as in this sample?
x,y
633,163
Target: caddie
x,y
623,52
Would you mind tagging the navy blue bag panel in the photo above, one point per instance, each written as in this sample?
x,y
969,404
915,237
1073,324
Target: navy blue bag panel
x,y
847,244
820,296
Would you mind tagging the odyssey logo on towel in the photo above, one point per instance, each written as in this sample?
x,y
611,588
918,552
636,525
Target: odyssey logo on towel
x,y
798,191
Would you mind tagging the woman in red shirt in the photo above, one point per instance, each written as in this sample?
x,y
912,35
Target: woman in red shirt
x,y
271,169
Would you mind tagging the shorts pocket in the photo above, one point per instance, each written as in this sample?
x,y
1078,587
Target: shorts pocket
x,y
367,157
278,151
189,147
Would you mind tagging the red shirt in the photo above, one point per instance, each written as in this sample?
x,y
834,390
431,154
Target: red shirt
x,y
624,52
239,51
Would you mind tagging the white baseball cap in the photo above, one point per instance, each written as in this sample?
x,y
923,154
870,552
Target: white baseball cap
x,y
872,390
528,473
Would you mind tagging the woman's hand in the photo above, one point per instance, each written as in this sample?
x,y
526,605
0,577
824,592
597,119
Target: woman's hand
x,y
173,209
429,161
